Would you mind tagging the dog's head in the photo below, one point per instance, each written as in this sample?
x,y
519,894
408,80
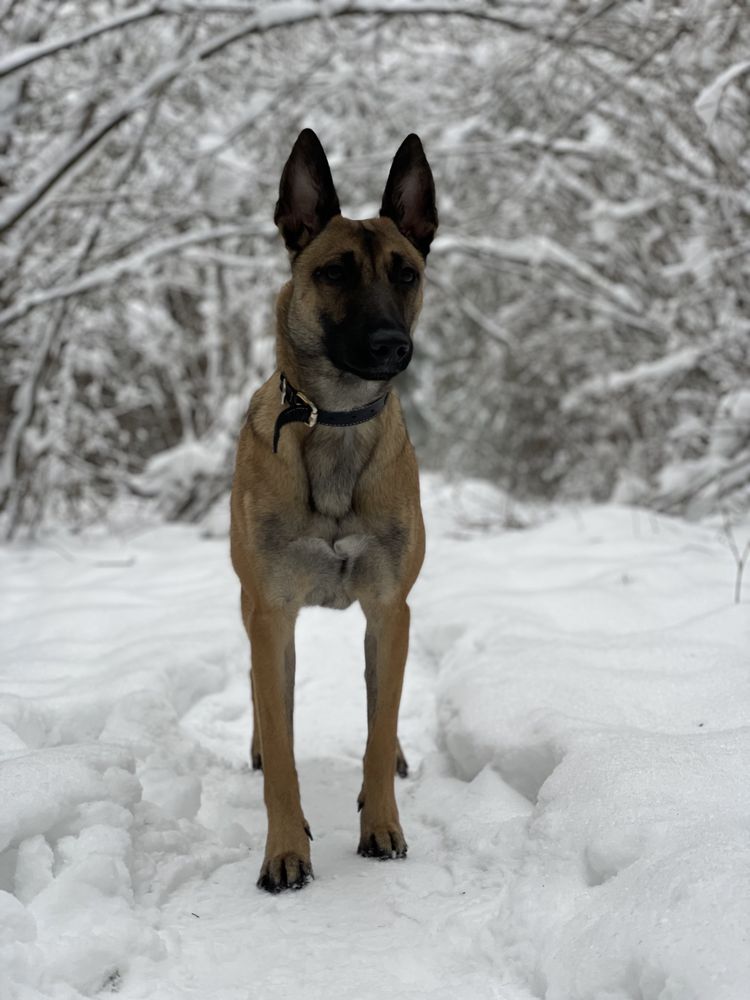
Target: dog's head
x,y
356,288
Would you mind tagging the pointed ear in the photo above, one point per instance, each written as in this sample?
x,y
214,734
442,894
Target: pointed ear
x,y
409,196
307,197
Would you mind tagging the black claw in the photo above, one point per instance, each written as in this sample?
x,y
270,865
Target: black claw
x,y
270,884
308,831
305,875
266,882
398,852
370,848
360,805
257,762
402,768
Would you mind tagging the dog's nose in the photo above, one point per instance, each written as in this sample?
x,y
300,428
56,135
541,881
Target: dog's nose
x,y
390,350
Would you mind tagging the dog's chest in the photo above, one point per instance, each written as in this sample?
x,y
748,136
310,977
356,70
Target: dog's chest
x,y
334,463
328,551
340,553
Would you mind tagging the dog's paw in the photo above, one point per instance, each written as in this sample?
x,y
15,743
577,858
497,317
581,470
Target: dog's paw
x,y
284,871
382,842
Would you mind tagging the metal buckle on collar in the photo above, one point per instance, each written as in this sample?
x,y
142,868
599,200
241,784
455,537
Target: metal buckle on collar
x,y
291,397
313,418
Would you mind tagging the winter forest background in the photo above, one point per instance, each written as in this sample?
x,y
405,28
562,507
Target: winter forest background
x,y
586,331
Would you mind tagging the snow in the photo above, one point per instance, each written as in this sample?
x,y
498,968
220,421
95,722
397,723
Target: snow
x,y
577,722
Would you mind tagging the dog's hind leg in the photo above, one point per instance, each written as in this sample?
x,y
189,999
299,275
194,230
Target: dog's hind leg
x,y
287,859
386,646
402,765
255,756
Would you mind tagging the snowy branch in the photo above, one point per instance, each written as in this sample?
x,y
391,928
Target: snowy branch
x,y
639,376
285,13
591,257
535,251
707,102
470,309
282,14
133,264
28,54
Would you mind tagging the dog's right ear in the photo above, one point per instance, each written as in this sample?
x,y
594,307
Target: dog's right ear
x,y
307,197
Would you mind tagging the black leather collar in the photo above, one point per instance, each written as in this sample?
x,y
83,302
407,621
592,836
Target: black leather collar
x,y
300,409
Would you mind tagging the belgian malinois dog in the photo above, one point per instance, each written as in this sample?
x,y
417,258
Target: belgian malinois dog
x,y
325,503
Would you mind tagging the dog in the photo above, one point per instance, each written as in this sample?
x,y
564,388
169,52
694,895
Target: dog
x,y
325,505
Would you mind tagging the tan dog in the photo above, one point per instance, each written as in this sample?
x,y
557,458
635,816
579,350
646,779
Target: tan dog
x,y
325,502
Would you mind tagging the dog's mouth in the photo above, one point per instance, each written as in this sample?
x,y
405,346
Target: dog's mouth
x,y
370,374
373,372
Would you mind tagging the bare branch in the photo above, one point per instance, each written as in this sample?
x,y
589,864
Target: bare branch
x,y
740,558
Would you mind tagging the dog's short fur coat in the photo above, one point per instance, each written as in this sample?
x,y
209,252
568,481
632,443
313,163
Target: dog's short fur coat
x,y
334,517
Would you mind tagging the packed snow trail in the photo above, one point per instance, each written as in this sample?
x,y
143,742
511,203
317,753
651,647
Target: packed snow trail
x,y
576,718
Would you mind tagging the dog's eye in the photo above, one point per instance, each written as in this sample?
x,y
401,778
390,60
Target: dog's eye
x,y
333,272
407,276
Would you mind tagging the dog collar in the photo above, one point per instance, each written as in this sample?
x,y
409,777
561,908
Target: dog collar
x,y
301,409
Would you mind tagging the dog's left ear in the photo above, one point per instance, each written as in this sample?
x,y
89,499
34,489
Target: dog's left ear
x,y
307,197
409,196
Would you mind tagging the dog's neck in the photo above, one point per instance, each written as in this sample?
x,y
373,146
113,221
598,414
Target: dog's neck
x,y
327,387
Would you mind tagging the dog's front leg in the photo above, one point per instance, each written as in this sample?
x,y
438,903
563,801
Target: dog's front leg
x,y
386,646
287,861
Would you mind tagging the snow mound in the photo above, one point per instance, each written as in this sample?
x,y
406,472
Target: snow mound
x,y
632,860
632,746
45,787
509,710
100,786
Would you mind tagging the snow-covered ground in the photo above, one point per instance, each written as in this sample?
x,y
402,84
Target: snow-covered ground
x,y
577,721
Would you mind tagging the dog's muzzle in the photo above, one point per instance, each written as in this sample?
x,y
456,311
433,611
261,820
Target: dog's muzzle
x,y
390,351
